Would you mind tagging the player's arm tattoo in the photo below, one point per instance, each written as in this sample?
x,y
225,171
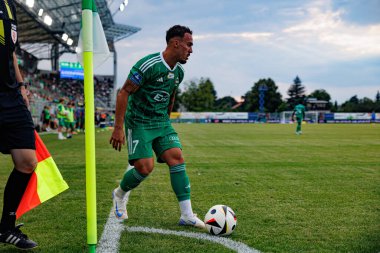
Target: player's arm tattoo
x,y
130,87
171,103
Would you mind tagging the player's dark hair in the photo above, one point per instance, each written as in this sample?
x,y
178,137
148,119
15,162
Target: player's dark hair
x,y
177,31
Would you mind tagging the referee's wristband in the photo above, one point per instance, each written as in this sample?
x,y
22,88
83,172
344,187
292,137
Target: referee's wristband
x,y
20,84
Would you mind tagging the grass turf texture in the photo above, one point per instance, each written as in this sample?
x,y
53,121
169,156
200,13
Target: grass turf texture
x,y
318,192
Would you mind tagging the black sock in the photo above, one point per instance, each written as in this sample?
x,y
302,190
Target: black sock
x,y
14,190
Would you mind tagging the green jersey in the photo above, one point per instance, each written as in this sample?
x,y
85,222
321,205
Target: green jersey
x,y
148,106
61,111
299,110
46,114
70,115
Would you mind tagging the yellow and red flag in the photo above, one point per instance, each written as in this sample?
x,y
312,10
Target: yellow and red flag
x,y
45,182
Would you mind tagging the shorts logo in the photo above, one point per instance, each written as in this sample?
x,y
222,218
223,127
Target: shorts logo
x,y
174,138
160,96
171,75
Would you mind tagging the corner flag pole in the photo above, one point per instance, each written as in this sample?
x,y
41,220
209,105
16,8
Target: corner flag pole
x,y
87,29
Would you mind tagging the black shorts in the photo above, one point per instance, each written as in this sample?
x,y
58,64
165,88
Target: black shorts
x,y
46,121
16,124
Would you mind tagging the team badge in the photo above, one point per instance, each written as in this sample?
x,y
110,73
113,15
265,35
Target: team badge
x,y
170,75
14,34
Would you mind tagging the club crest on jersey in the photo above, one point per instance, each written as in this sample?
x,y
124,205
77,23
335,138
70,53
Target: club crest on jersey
x,y
160,96
170,75
14,33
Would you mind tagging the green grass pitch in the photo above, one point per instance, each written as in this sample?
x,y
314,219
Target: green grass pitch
x,y
318,192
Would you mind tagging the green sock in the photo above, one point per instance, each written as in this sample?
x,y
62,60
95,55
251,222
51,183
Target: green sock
x,y
299,126
132,178
180,181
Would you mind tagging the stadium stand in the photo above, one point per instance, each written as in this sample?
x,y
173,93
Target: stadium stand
x,y
48,29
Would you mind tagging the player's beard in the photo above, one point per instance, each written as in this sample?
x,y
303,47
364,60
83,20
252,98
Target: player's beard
x,y
182,61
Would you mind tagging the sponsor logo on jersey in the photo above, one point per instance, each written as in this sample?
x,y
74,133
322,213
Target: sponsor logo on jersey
x,y
160,80
170,75
160,96
177,80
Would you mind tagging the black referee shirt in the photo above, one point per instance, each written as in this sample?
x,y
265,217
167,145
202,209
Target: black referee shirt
x,y
8,41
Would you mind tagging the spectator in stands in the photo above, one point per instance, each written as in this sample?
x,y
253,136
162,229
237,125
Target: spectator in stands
x,y
16,129
299,115
61,116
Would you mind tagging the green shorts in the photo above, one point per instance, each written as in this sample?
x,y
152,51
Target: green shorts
x,y
142,142
61,122
70,125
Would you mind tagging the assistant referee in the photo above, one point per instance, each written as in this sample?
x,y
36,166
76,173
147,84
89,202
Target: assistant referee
x,y
16,129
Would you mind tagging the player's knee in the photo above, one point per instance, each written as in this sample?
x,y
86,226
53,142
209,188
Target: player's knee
x,y
173,157
144,168
177,160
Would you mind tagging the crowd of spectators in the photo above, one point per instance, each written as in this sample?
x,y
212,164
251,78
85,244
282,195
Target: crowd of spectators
x,y
46,88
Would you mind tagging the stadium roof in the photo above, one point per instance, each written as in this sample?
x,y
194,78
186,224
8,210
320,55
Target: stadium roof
x,y
38,37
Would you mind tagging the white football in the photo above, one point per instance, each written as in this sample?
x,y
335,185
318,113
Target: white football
x,y
220,220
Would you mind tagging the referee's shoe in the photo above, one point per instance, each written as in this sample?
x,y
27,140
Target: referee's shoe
x,y
17,238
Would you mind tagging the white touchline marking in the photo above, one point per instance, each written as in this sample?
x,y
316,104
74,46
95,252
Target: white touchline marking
x,y
109,242
228,243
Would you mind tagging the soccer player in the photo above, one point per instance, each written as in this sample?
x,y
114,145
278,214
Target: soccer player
x,y
299,114
16,129
46,118
70,120
61,116
146,101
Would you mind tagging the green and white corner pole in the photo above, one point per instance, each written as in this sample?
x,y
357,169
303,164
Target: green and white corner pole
x,y
87,32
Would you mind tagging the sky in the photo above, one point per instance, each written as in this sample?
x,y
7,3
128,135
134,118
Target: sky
x,y
330,44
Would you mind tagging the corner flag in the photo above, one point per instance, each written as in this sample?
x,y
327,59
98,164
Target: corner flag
x,y
98,43
46,180
90,32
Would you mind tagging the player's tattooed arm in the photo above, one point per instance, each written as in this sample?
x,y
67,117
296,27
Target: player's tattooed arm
x,y
171,103
118,135
129,87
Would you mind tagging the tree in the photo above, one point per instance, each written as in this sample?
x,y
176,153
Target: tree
x,y
225,104
199,97
321,94
272,98
334,108
354,100
354,104
377,98
296,93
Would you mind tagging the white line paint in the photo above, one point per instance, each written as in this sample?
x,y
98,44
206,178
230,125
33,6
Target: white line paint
x,y
228,243
109,242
